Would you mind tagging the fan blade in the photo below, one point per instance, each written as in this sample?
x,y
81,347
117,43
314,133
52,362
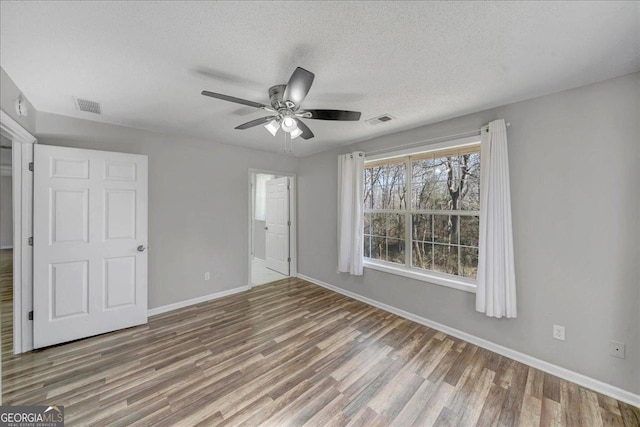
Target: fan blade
x,y
306,132
233,99
256,122
333,115
298,86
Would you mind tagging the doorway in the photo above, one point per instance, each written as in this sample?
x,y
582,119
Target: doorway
x,y
6,246
272,256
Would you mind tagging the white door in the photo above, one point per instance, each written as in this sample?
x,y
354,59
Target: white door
x,y
89,243
278,225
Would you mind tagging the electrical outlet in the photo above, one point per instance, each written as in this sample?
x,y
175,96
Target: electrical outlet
x,y
558,332
207,276
616,349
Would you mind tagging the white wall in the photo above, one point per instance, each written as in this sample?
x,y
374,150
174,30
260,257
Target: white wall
x,y
575,173
6,213
198,202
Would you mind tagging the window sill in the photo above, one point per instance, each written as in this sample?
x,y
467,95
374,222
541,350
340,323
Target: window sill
x,y
454,283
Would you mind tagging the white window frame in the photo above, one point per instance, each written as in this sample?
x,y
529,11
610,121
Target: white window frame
x,y
448,280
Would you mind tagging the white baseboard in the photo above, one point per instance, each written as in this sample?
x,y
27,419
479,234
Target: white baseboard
x,y
582,380
6,247
198,300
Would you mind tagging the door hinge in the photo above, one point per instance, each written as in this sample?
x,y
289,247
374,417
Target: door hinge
x,y
30,241
31,315
31,166
289,259
289,223
288,188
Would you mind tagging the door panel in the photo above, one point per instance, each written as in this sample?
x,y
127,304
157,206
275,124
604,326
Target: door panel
x,y
69,289
70,215
120,281
90,215
120,214
277,221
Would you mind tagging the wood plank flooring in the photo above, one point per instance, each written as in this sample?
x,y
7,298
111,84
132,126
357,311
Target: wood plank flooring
x,y
292,353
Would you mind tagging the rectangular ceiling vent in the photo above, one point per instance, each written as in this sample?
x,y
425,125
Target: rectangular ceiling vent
x,y
88,106
380,119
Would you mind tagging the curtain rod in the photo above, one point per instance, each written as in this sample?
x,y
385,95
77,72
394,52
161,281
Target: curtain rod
x,y
419,143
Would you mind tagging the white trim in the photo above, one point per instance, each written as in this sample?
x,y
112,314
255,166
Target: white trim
x,y
293,217
22,179
580,379
14,130
426,276
198,300
6,247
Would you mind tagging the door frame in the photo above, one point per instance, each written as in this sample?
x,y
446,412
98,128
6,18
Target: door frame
x,y
22,181
293,217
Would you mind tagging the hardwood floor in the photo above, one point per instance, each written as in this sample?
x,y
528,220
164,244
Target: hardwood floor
x,y
292,353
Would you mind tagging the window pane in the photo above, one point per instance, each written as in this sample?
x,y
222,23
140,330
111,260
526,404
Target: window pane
x,y
385,187
469,262
378,247
379,224
446,229
395,250
384,236
368,217
450,182
422,255
395,226
469,230
470,193
445,259
422,227
429,191
367,246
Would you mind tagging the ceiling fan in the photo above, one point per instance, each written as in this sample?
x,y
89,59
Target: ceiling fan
x,y
285,107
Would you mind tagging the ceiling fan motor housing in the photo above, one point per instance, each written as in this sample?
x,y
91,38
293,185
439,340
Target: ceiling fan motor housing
x,y
275,96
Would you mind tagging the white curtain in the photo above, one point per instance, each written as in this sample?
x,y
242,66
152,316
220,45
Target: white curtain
x,y
350,212
496,293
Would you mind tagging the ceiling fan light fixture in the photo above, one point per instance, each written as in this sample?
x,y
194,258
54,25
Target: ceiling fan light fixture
x,y
289,124
272,127
296,133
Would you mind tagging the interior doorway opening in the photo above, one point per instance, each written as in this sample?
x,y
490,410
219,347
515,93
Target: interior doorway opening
x,y
6,246
272,230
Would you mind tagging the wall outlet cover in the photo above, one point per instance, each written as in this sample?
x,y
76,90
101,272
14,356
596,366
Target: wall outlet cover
x,y
616,349
558,332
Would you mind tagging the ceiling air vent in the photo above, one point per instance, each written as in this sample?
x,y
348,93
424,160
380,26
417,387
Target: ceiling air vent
x,y
88,106
380,119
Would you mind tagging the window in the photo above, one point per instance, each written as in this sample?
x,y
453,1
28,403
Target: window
x,y
422,212
261,195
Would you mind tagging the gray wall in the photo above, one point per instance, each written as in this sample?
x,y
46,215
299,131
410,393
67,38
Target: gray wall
x,y
198,202
9,92
259,239
574,163
6,214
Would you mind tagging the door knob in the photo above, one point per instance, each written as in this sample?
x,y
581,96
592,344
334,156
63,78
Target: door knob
x,y
141,248
266,228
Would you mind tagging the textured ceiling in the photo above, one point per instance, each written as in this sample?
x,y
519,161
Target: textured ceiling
x,y
421,62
